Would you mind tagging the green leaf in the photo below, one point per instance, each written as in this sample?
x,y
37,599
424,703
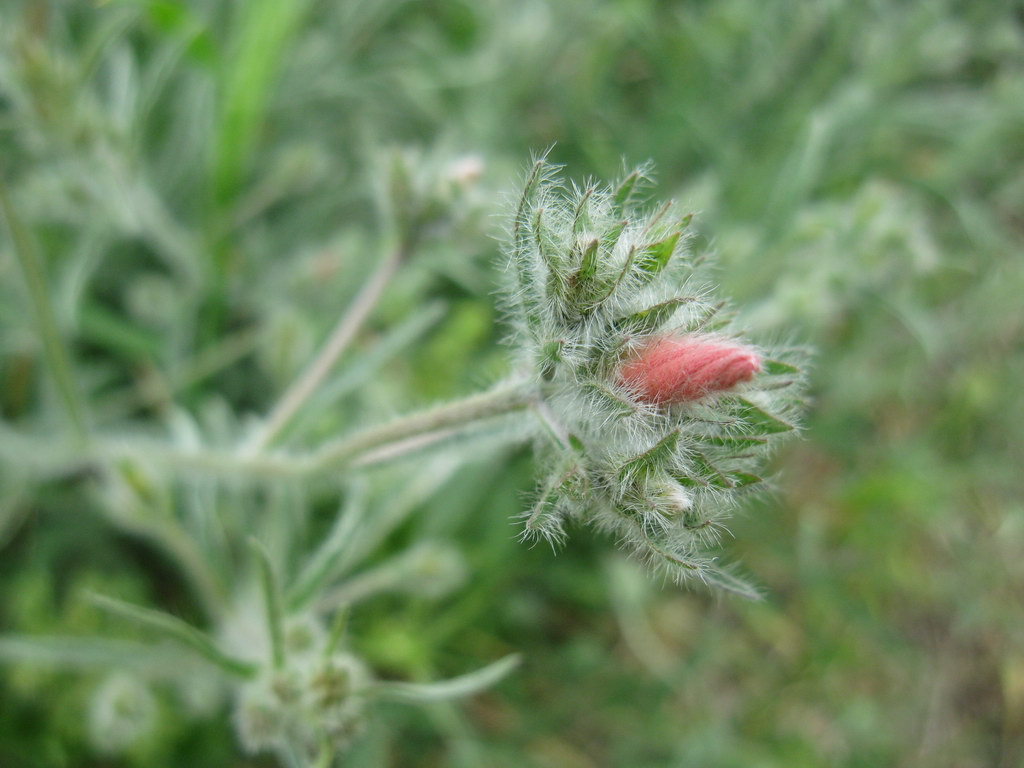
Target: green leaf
x,y
92,653
444,690
758,419
609,399
611,237
272,598
736,442
529,189
707,474
329,559
339,626
626,189
180,631
551,356
588,264
777,368
656,256
652,318
580,218
743,479
654,458
720,579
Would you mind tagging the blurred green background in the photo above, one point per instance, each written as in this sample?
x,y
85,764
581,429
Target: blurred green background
x,y
204,181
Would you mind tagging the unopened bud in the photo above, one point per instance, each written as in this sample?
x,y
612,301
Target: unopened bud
x,y
678,369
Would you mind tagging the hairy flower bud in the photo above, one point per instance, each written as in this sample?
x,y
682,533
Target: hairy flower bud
x,y
678,369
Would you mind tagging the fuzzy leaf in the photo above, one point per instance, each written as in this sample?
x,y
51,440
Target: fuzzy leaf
x,y
626,189
588,263
652,318
654,458
743,479
736,442
272,598
93,653
656,256
611,237
608,399
581,217
453,688
759,420
777,367
180,631
551,356
716,577
707,474
529,189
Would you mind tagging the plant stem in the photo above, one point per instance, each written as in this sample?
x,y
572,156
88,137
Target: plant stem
x,y
457,414
361,448
53,346
310,379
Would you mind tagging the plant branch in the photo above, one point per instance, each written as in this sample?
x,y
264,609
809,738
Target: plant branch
x,y
307,383
369,446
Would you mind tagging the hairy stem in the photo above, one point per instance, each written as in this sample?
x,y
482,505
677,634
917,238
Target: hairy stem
x,y
457,414
365,447
307,383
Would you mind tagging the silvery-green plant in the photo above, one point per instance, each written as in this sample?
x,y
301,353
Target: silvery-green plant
x,y
649,416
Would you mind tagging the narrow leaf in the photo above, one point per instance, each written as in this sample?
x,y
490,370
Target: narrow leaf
x,y
580,218
271,588
716,577
707,474
607,399
529,188
656,457
89,653
588,264
652,318
758,419
777,367
611,238
327,561
180,631
444,690
656,256
736,442
551,356
627,187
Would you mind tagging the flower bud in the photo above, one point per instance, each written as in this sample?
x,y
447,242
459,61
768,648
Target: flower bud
x,y
122,712
678,369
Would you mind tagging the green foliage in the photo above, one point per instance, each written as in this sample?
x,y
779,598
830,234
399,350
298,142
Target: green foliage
x,y
206,186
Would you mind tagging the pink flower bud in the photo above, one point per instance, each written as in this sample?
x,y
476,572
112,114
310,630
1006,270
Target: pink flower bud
x,y
677,369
